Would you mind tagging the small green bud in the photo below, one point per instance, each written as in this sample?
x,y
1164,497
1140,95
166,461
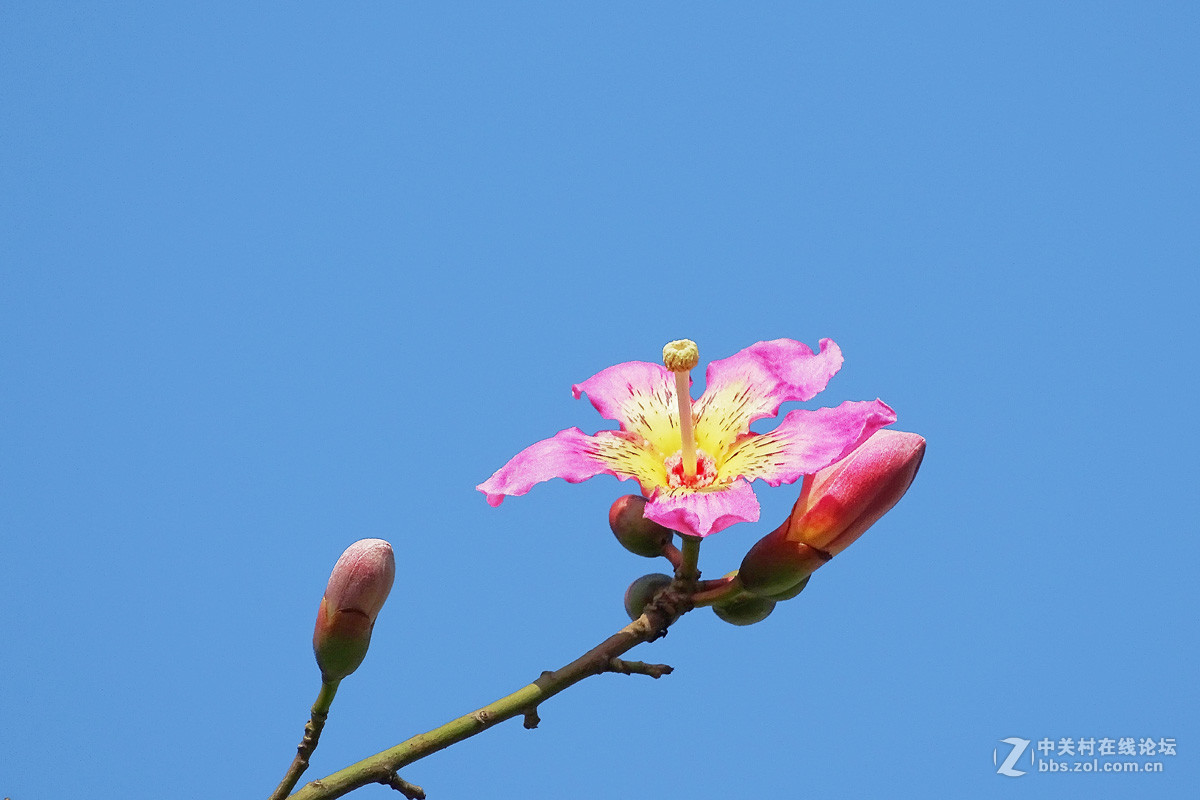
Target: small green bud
x,y
637,534
642,591
745,609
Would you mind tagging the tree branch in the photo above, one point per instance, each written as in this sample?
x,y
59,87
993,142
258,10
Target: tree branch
x,y
662,612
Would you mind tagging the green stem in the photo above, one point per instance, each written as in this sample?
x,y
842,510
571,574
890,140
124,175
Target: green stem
x,y
687,570
379,768
312,735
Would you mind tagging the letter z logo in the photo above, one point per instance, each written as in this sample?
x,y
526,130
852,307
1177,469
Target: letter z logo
x,y
1018,750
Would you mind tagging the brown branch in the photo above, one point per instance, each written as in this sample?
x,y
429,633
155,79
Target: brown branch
x,y
531,718
639,668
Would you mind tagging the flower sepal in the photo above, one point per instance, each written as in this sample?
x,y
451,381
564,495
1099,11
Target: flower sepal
x,y
775,565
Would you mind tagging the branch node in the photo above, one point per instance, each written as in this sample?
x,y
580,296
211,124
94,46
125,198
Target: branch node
x,y
482,716
531,718
409,790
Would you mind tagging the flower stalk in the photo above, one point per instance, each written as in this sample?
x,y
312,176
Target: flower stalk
x,y
312,735
688,570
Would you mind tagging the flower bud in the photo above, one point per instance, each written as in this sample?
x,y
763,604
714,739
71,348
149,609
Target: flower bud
x,y
637,534
642,591
836,506
775,565
743,608
358,587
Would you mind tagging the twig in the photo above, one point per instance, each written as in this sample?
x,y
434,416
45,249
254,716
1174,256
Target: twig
x,y
639,668
312,735
670,604
409,790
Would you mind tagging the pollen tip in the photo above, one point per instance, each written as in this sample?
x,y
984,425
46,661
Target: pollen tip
x,y
681,355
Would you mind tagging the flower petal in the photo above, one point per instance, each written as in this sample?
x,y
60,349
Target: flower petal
x,y
805,442
640,396
701,513
753,383
574,456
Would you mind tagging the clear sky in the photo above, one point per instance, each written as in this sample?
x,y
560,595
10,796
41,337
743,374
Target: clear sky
x,y
278,276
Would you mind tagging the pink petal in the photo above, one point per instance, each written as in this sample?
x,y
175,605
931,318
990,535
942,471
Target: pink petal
x,y
362,578
753,383
806,441
566,455
640,396
702,513
574,456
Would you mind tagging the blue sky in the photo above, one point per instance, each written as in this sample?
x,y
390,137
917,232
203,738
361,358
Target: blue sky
x,y
277,277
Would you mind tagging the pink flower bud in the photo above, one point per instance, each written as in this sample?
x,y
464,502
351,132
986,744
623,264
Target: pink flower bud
x,y
836,506
358,587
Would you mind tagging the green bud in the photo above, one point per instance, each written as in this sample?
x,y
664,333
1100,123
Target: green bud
x,y
642,591
790,593
745,609
636,534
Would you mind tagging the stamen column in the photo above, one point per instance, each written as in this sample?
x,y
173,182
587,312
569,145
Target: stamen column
x,y
680,357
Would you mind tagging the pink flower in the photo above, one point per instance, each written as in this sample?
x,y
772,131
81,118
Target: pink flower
x,y
652,446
